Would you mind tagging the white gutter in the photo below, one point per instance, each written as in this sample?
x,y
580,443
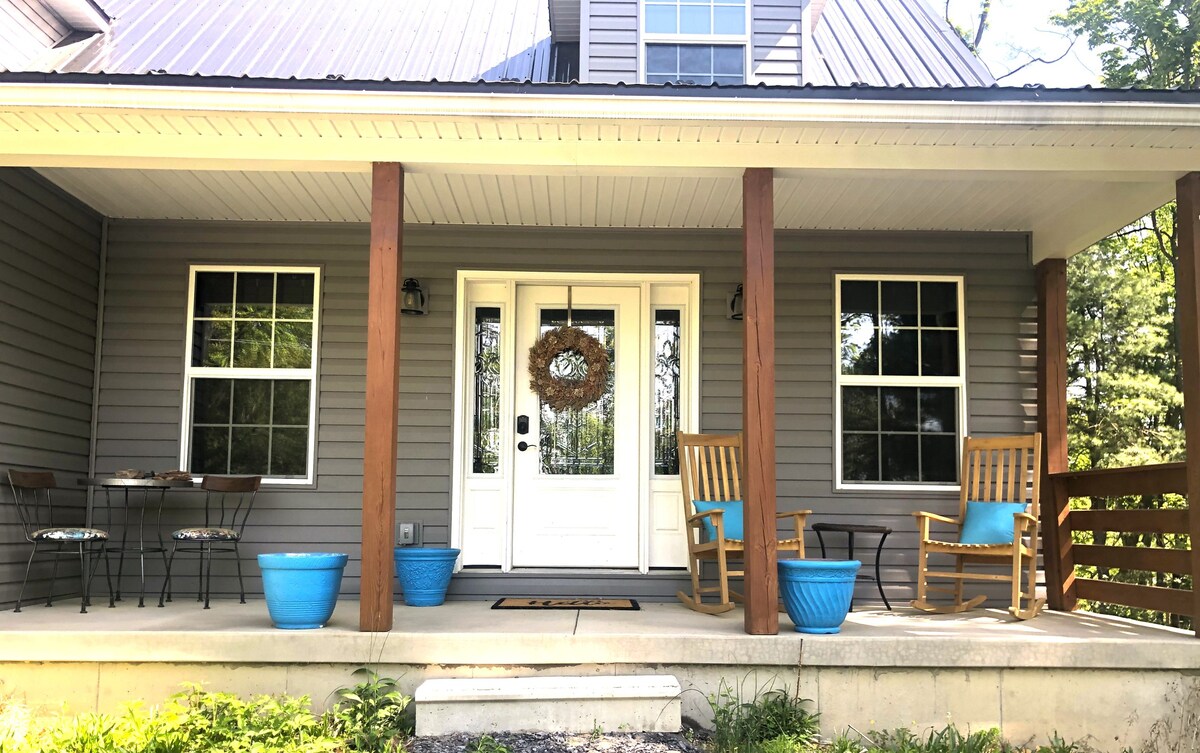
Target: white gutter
x,y
573,107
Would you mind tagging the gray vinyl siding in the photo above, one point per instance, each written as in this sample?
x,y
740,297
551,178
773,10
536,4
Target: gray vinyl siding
x,y
776,27
143,357
49,262
612,49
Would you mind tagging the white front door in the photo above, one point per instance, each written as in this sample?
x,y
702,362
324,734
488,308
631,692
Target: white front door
x,y
576,474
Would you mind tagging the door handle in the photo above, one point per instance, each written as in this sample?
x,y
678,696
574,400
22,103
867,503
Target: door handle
x,y
523,445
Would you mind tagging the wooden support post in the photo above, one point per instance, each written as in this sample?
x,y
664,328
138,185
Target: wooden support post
x,y
383,390
1187,296
1052,423
761,584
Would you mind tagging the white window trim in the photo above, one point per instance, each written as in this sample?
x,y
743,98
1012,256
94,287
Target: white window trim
x,y
191,372
745,40
840,380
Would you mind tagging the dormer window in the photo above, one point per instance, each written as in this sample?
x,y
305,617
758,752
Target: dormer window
x,y
692,17
698,42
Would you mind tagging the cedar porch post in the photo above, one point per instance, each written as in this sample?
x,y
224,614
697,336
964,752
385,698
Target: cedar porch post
x,y
1187,192
761,584
1052,423
383,388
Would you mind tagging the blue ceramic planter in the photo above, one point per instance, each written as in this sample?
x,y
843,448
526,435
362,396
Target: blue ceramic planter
x,y
424,574
301,589
817,593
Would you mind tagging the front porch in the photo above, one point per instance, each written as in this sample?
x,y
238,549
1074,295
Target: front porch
x,y
888,669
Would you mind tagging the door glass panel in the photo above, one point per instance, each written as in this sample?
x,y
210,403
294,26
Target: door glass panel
x,y
486,443
666,391
580,442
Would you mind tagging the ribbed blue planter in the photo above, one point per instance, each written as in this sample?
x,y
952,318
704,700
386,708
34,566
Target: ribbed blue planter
x,y
301,589
424,574
817,593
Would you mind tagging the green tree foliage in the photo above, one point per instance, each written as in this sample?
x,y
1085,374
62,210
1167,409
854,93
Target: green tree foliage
x,y
1125,403
1146,43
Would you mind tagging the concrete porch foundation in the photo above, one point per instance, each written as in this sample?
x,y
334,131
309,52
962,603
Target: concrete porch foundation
x,y
886,669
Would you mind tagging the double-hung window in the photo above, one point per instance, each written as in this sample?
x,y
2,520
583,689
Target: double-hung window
x,y
250,378
695,41
901,398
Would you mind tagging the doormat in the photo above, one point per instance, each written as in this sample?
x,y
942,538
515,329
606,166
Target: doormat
x,y
543,603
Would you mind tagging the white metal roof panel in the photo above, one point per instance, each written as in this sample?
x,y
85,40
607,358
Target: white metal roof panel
x,y
414,40
889,43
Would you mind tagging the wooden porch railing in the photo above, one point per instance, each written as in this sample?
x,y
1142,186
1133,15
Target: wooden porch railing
x,y
1123,482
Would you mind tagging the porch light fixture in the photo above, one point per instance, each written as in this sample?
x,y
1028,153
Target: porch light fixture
x,y
733,304
413,299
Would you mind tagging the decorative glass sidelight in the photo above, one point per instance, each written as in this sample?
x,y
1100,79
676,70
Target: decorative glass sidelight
x,y
580,442
486,432
666,391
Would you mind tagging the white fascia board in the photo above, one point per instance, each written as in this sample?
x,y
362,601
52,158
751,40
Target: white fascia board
x,y
575,107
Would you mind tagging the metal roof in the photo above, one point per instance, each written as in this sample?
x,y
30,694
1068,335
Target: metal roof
x,y
889,43
875,42
400,40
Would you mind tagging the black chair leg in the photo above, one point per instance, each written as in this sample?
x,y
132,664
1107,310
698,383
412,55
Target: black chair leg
x,y
28,566
208,576
53,578
238,557
108,577
84,580
166,589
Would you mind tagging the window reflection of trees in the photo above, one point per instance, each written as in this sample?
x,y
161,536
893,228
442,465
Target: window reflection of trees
x,y
666,391
580,442
486,445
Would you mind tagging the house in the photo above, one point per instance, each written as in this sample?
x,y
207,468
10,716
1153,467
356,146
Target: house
x,y
210,201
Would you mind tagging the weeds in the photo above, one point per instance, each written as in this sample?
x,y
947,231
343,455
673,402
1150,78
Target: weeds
x,y
487,744
771,716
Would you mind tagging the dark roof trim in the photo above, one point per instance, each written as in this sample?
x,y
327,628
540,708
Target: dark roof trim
x,y
1084,95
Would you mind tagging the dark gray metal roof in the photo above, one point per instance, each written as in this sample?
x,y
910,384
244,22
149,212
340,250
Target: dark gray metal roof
x,y
889,43
400,40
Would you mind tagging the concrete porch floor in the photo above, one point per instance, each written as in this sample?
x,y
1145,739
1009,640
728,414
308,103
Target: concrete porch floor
x,y
890,668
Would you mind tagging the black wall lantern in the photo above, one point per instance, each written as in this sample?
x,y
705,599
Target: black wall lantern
x,y
413,299
734,304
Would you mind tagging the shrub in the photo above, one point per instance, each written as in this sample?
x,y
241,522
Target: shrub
x,y
194,721
370,716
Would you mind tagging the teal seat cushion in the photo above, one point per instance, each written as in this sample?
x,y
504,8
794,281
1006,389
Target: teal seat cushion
x,y
732,520
989,522
70,534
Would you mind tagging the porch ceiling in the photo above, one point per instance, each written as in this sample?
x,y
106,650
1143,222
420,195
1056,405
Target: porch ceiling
x,y
1064,206
1068,172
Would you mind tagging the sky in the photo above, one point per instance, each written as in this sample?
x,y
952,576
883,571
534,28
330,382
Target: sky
x,y
1020,30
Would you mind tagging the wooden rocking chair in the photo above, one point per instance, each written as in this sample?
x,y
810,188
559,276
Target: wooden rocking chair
x,y
710,470
994,470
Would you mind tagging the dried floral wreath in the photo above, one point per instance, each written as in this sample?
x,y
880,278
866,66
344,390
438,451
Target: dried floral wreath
x,y
561,393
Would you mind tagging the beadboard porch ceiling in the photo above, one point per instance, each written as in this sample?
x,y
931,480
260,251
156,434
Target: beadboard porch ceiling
x,y
1062,210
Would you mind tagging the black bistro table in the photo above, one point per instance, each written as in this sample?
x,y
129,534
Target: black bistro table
x,y
134,497
850,529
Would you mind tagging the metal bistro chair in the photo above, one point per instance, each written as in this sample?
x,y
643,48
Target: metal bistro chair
x,y
32,493
228,501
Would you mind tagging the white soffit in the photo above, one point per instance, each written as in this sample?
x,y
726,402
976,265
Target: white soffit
x,y
1065,209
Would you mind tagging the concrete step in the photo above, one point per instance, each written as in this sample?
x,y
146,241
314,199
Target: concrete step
x,y
612,703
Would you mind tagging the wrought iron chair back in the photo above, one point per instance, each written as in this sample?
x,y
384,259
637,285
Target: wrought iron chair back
x,y
228,501
32,493
44,528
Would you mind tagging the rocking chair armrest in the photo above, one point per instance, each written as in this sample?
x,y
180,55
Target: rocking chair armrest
x,y
716,515
798,519
935,516
1024,519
